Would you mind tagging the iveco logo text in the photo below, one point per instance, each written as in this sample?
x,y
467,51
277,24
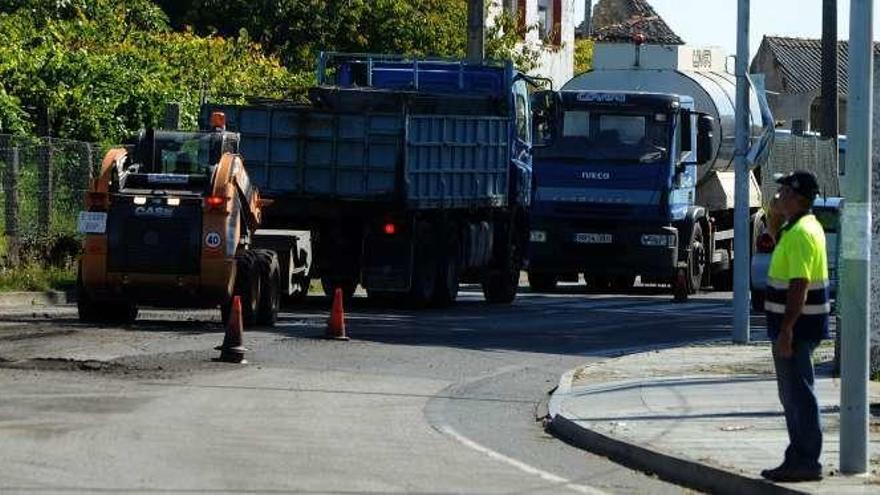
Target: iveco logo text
x,y
596,175
602,97
153,211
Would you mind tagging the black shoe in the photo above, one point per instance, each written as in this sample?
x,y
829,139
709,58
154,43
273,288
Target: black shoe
x,y
787,474
772,474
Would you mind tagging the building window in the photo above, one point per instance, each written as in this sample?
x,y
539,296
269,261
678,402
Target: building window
x,y
550,21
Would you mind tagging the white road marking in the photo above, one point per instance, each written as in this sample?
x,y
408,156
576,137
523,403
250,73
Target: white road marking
x,y
544,475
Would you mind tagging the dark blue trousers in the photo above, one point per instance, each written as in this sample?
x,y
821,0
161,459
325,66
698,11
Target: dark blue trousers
x,y
795,379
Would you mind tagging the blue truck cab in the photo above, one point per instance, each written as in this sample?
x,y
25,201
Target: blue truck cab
x,y
615,180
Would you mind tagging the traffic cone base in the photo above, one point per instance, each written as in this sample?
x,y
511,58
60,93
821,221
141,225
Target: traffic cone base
x,y
232,349
336,323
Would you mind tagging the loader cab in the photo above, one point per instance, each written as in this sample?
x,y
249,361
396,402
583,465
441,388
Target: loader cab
x,y
175,159
183,153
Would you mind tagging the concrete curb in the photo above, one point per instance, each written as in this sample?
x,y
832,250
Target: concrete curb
x,y
48,298
686,472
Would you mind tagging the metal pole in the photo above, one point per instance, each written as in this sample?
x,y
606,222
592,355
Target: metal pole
x,y
741,230
830,115
829,69
855,280
476,38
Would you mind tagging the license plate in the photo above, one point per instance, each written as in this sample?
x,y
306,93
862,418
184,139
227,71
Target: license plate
x,y
92,222
592,238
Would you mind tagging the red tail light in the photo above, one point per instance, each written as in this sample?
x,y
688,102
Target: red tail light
x,y
215,201
390,228
765,243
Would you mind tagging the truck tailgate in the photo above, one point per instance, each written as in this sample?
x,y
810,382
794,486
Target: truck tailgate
x,y
456,161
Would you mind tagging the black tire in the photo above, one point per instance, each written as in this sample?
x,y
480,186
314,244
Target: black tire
x,y
500,284
424,278
447,282
247,287
598,283
723,281
622,283
757,300
94,311
300,290
696,260
270,283
543,282
87,309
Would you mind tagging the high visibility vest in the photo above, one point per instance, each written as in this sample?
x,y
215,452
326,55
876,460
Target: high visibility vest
x,y
800,254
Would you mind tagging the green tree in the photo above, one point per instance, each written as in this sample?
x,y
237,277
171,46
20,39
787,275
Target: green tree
x,y
297,30
583,55
97,70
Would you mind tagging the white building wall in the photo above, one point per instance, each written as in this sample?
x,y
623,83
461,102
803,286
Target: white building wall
x,y
554,63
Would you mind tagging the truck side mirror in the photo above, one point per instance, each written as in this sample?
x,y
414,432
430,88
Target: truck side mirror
x,y
543,112
705,138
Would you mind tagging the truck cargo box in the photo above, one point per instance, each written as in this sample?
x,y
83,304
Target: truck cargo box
x,y
300,153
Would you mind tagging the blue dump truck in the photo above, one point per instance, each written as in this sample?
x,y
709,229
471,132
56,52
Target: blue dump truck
x,y
411,176
634,171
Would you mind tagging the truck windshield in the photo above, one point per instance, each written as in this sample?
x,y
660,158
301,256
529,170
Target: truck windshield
x,y
625,137
184,153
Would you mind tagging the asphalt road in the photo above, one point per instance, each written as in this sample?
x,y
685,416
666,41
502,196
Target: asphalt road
x,y
432,401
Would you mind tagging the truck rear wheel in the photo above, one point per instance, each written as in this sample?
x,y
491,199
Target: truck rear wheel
x,y
501,283
446,289
424,278
270,283
543,282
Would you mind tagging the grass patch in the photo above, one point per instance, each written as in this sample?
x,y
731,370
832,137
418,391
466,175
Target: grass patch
x,y
34,277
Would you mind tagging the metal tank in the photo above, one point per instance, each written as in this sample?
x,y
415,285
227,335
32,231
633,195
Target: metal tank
x,y
696,72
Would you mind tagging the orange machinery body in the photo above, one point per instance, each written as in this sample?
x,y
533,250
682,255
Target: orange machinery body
x,y
232,209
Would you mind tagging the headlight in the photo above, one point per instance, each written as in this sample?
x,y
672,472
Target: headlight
x,y
658,240
538,236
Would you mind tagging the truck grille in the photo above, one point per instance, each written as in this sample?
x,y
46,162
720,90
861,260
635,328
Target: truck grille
x,y
140,242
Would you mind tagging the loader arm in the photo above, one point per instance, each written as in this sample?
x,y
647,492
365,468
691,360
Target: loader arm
x,y
231,180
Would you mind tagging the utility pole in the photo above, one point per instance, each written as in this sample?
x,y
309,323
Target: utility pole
x,y
741,230
830,117
476,39
855,276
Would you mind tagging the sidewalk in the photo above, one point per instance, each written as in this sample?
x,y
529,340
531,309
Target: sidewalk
x,y
705,416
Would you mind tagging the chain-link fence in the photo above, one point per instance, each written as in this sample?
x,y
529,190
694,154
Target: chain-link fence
x,y
43,185
801,152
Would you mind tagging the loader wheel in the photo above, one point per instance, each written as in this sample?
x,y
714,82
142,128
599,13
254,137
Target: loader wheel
x,y
86,307
270,284
248,287
94,311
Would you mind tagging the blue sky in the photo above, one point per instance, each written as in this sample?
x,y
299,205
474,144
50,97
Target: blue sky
x,y
713,22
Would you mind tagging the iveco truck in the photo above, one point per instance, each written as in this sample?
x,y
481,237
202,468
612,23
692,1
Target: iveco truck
x,y
634,177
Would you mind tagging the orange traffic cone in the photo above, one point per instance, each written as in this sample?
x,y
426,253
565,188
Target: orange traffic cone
x,y
232,350
336,323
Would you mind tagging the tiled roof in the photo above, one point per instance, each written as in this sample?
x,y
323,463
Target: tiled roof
x,y
800,62
619,20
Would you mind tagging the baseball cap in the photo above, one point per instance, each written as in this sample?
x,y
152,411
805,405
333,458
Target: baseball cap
x,y
801,182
